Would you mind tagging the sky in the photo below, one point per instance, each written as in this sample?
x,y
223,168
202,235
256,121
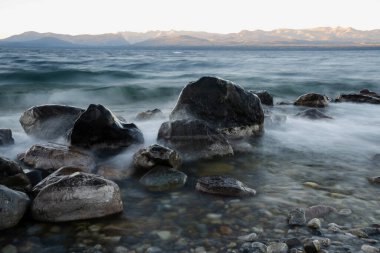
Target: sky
x,y
221,16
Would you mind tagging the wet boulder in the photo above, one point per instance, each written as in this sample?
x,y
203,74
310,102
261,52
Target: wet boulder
x,y
374,180
49,121
154,155
13,205
76,197
358,98
319,211
12,175
193,139
297,217
223,105
150,114
312,100
313,114
100,130
225,186
51,157
163,178
264,96
6,137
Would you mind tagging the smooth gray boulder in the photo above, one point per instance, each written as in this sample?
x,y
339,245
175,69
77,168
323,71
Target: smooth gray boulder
x,y
12,175
194,139
6,137
358,98
49,121
312,100
154,155
223,105
13,205
163,178
100,130
76,197
225,186
51,157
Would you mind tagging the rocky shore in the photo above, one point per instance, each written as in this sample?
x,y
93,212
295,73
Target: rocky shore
x,y
66,184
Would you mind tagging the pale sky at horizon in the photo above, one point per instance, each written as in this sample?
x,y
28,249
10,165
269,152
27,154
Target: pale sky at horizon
x,y
222,16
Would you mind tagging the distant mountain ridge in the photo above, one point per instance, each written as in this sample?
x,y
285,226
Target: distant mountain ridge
x,y
316,37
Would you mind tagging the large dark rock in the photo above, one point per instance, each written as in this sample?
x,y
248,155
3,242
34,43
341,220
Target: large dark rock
x,y
312,100
193,139
369,93
150,114
12,175
163,178
313,114
297,217
52,157
265,97
358,98
226,186
13,205
75,197
100,130
154,155
6,137
49,121
223,105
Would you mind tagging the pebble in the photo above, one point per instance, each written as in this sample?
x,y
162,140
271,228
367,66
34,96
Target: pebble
x,y
214,216
259,247
314,223
225,230
153,250
312,246
297,217
248,238
9,249
345,212
164,235
120,249
369,249
279,247
200,250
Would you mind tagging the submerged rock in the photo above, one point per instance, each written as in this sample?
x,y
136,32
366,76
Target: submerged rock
x,y
194,139
13,205
297,217
313,114
150,114
374,180
99,129
52,157
223,105
6,137
277,247
49,121
163,178
226,186
264,96
154,155
319,211
358,98
312,100
12,175
75,197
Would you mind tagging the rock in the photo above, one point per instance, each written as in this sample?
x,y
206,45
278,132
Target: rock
x,y
314,223
319,211
345,212
34,176
369,249
312,100
76,197
194,139
49,121
374,180
368,92
312,246
6,137
248,238
264,96
100,130
9,249
313,114
13,205
150,114
163,178
358,98
223,105
164,234
226,186
255,247
154,155
56,176
277,247
297,217
12,175
51,157
293,242
112,173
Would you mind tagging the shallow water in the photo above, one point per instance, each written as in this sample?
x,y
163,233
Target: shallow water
x,y
336,154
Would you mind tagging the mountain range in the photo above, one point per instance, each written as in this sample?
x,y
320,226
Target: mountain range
x,y
316,37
